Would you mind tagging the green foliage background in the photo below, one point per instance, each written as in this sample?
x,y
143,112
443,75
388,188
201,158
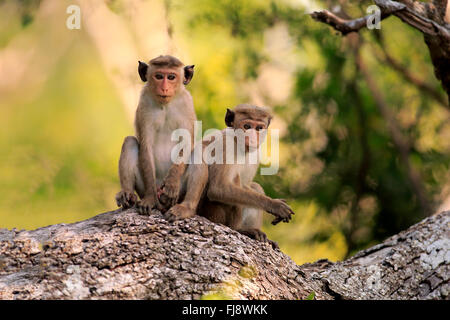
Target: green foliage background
x,y
60,143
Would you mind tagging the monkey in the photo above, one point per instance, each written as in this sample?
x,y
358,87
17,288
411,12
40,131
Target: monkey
x,y
145,159
226,193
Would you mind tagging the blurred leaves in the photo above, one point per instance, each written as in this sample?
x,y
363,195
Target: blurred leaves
x,y
59,151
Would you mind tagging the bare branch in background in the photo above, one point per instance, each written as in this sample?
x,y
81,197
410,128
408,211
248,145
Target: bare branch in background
x,y
429,18
363,170
420,84
345,26
401,143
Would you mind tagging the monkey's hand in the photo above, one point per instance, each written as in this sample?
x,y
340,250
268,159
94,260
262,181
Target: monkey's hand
x,y
170,190
147,204
178,212
126,199
280,209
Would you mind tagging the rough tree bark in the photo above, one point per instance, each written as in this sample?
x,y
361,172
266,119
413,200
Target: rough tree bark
x,y
123,255
432,19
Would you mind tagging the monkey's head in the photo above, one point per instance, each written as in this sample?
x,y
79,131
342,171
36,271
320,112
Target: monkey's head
x,y
165,76
252,120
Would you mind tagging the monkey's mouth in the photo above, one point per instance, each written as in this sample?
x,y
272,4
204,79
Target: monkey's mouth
x,y
163,97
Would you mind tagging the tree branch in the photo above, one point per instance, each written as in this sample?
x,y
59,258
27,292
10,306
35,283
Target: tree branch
x,y
432,19
345,26
124,255
400,141
407,75
363,170
410,12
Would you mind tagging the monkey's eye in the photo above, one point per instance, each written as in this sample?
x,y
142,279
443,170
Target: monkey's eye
x,y
247,126
258,128
171,77
159,76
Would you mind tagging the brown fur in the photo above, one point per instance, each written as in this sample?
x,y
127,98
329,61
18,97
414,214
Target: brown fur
x,y
166,61
145,163
226,193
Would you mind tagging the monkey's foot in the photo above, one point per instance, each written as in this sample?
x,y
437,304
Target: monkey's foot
x,y
260,236
126,199
148,206
169,192
177,212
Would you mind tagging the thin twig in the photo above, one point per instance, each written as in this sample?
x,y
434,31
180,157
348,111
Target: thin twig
x,y
404,11
345,26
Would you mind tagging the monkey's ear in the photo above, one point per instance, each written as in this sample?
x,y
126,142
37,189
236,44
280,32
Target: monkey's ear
x,y
142,69
188,74
229,118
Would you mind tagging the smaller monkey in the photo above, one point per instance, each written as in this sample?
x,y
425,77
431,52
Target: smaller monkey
x,y
145,161
225,192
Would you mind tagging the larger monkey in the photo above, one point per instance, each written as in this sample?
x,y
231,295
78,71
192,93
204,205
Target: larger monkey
x,y
145,161
225,193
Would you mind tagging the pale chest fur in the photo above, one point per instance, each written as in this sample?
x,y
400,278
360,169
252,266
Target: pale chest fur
x,y
163,144
161,122
246,171
246,163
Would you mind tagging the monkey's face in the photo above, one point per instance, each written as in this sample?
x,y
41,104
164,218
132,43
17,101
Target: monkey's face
x,y
251,122
164,83
254,131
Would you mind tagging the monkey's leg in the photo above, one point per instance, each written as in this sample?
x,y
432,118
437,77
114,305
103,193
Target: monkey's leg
x,y
218,212
221,190
129,175
170,189
252,220
196,180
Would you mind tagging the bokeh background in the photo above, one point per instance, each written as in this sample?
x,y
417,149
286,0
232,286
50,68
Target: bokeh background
x,y
67,99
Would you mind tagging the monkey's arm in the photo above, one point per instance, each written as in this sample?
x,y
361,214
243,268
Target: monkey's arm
x,y
147,167
170,188
222,189
171,185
